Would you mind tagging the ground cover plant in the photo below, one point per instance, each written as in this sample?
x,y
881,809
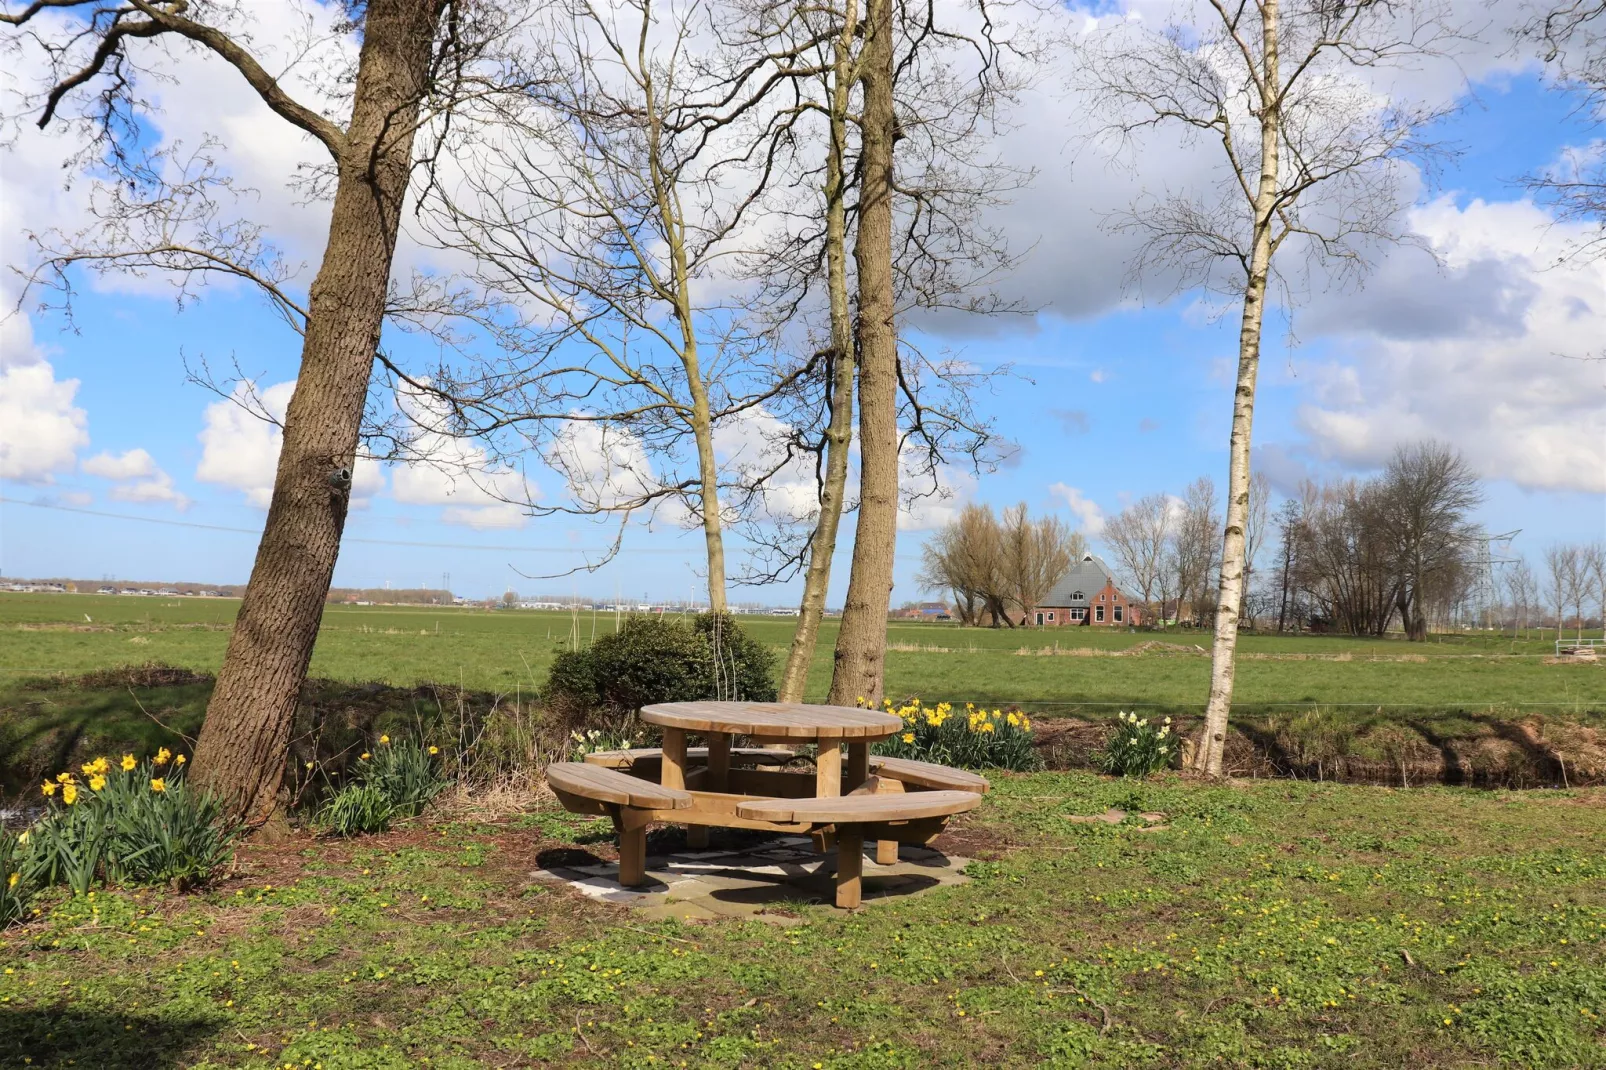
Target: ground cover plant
x,y
1136,748
1275,924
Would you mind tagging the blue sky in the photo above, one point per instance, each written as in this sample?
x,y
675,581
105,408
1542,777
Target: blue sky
x,y
1110,398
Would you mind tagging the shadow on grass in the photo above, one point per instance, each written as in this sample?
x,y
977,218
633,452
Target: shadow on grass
x,y
60,1038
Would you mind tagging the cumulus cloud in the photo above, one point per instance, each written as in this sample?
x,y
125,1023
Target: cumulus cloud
x,y
932,497
137,478
240,448
1495,368
1089,517
41,430
455,474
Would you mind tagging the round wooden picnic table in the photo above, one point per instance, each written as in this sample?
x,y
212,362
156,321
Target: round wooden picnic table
x,y
771,722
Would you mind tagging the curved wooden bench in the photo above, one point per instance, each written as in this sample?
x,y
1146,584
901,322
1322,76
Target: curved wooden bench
x,y
915,817
629,801
928,775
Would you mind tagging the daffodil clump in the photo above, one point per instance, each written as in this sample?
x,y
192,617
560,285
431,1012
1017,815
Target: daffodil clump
x,y
1136,748
968,738
392,779
126,820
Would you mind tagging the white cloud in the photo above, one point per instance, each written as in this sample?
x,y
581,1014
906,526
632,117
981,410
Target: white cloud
x,y
41,430
931,498
240,449
137,477
1087,512
457,474
606,468
1485,355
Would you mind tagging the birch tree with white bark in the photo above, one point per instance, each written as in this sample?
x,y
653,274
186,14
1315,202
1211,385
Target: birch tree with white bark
x,y
1311,140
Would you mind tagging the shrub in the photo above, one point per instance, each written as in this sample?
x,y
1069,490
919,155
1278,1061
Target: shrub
x,y
977,740
14,887
133,822
658,659
1135,748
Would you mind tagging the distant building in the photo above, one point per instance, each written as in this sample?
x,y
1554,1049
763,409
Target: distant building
x,y
925,611
1086,596
108,589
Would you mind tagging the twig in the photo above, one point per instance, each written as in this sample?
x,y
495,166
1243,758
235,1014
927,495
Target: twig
x,y
581,1035
1104,1011
188,739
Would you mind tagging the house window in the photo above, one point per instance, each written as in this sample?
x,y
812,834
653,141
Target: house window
x,y
1078,597
1098,614
1078,613
1051,617
1118,614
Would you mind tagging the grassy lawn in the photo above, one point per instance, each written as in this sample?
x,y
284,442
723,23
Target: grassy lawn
x,y
1274,924
1044,670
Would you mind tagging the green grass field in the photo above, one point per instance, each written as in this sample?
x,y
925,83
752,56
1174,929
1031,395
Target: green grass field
x,y
1271,925
1043,670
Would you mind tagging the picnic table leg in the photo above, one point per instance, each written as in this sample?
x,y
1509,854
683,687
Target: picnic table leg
x,y
849,865
719,761
858,762
828,769
673,774
886,852
632,847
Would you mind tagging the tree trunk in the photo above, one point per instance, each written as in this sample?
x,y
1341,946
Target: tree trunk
x,y
708,483
1208,754
839,433
861,645
241,752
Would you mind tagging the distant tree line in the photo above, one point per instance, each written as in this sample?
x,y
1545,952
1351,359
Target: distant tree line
x,y
999,567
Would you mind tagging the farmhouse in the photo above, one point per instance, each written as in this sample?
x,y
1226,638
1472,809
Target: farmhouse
x,y
1086,596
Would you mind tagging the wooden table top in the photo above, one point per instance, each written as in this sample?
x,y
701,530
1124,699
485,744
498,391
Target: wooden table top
x,y
791,720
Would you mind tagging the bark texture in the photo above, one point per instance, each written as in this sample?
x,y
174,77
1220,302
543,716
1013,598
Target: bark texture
x,y
1230,592
839,433
240,754
859,665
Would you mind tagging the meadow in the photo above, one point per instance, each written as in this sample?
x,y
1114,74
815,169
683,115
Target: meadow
x,y
1278,924
1044,670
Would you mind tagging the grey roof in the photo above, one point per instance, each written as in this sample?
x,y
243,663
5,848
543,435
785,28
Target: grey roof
x,y
1087,577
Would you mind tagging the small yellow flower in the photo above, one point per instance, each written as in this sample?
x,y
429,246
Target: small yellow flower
x,y
908,737
159,784
434,750
99,765
180,760
69,793
11,881
49,787
128,762
64,778
163,756
385,740
97,782
365,756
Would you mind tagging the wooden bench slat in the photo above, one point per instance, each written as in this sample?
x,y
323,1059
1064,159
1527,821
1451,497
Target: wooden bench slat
x,y
860,809
928,774
611,786
624,759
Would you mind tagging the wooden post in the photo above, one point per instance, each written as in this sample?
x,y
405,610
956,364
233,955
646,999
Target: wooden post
x,y
827,769
674,770
858,763
632,826
719,761
886,852
849,865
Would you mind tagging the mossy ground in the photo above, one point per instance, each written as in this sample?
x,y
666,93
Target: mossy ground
x,y
1273,924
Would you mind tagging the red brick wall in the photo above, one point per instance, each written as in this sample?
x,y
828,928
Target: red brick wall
x,y
1107,599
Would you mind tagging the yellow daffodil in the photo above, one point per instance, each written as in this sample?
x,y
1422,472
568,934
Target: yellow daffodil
x,y
23,838
11,881
364,756
128,762
97,782
69,793
99,765
180,760
434,750
158,784
163,756
908,737
64,778
385,740
49,787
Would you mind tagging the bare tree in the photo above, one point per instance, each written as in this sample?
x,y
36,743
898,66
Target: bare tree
x,y
1346,557
1592,567
1570,36
415,61
1562,566
1290,535
1311,154
1522,587
1427,491
1193,556
965,557
1255,533
1138,537
1034,556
